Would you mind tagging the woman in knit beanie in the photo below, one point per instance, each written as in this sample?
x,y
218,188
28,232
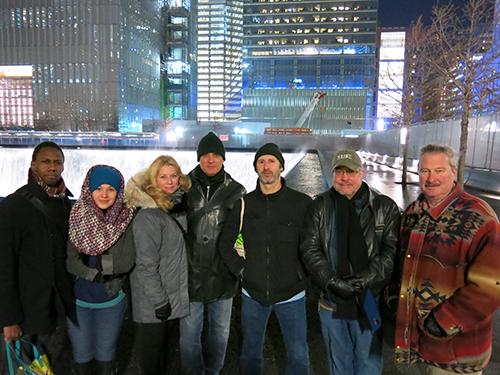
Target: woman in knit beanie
x,y
159,282
100,255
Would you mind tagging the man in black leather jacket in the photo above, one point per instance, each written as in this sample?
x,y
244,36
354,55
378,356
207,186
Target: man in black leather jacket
x,y
348,245
211,285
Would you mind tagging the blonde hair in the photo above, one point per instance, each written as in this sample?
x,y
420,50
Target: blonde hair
x,y
163,200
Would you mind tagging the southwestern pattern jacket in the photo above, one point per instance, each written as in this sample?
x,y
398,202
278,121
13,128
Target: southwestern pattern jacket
x,y
452,268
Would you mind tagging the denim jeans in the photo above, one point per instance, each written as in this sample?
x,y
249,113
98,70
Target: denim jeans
x,y
351,349
97,332
196,360
293,323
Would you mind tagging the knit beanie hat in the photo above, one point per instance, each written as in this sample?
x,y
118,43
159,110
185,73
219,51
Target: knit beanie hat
x,y
211,143
103,174
270,149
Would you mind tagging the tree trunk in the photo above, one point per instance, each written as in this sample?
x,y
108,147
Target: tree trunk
x,y
464,134
404,178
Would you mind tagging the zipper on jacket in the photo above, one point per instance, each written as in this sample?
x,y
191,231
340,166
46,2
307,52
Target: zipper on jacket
x,y
208,193
268,253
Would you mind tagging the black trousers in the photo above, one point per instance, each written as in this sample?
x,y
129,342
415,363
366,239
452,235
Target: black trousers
x,y
152,345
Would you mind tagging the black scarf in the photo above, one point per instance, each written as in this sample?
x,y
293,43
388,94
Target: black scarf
x,y
209,181
352,252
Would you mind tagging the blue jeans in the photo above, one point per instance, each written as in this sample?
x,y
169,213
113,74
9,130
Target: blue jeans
x,y
97,332
194,359
293,323
351,349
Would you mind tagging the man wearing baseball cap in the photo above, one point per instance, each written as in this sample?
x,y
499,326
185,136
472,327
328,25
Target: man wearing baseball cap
x,y
349,244
271,273
211,285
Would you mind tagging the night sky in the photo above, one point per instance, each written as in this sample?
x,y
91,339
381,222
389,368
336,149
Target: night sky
x,y
395,13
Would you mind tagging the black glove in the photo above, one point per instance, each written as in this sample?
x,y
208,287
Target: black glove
x,y
432,326
358,282
344,288
163,312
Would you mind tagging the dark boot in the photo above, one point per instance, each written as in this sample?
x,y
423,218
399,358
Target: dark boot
x,y
83,368
105,368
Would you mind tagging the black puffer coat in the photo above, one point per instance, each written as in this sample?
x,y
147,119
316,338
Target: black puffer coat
x,y
32,261
209,278
382,241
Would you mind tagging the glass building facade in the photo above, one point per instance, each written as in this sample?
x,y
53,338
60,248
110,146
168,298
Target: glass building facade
x,y
219,56
294,48
391,68
178,60
16,96
95,64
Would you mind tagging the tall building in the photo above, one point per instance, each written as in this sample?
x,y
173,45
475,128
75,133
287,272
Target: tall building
x,y
391,67
178,60
94,65
16,96
293,49
219,56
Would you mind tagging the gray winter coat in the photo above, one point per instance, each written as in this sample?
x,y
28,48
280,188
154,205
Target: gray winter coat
x,y
160,274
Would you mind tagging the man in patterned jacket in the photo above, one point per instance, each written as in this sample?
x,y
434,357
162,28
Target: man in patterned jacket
x,y
450,283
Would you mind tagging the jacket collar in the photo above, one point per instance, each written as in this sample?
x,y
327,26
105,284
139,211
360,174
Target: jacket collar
x,y
436,211
283,188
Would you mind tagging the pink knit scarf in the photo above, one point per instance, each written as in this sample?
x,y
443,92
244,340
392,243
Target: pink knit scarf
x,y
92,231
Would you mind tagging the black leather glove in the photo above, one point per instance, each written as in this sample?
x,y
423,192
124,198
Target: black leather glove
x,y
358,282
432,326
163,312
344,288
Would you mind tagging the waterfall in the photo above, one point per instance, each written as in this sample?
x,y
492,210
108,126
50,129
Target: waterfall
x,y
15,162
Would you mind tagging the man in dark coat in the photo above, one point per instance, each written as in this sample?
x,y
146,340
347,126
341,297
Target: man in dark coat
x,y
273,278
211,285
35,291
349,244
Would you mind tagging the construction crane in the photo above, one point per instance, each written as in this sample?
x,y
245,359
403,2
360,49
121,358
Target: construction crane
x,y
310,107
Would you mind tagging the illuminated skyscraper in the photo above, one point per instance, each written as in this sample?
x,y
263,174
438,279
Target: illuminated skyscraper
x,y
95,64
220,41
178,60
390,75
294,48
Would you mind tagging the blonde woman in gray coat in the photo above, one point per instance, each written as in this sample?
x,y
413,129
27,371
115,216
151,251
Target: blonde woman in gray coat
x,y
159,282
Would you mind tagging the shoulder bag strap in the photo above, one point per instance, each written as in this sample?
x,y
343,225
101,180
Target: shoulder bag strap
x,y
242,212
35,201
179,225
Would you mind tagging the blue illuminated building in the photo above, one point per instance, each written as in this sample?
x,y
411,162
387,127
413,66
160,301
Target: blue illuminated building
x,y
95,64
293,49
